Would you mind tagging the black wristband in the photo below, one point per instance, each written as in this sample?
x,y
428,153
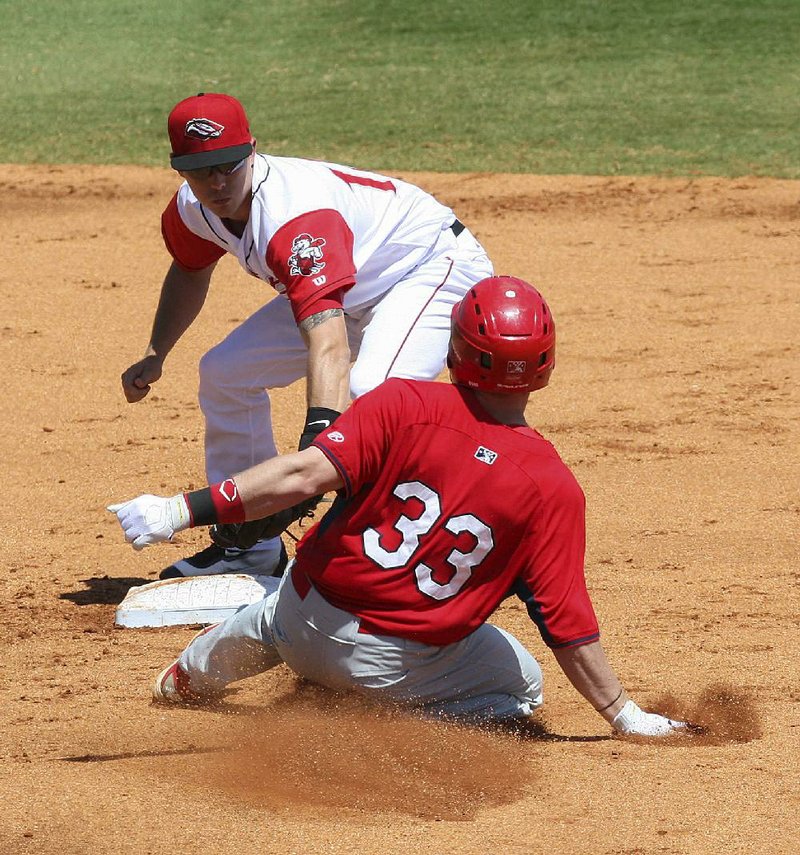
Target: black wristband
x,y
318,419
201,507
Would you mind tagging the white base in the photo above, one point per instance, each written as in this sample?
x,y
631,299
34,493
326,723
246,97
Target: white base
x,y
192,600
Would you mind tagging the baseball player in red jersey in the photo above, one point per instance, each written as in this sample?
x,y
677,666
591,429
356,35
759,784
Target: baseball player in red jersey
x,y
447,503
367,268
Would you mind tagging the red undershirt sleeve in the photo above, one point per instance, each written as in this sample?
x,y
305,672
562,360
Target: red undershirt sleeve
x,y
189,250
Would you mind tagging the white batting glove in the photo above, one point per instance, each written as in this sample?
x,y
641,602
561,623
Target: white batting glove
x,y
151,519
634,721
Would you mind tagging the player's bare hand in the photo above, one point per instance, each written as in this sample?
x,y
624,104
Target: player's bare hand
x,y
631,720
136,381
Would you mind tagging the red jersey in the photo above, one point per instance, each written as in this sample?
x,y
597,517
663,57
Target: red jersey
x,y
444,513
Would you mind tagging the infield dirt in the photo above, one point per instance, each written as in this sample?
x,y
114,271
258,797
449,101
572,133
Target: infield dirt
x,y
675,401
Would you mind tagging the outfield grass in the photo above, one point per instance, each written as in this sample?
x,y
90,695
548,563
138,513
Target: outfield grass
x,y
557,86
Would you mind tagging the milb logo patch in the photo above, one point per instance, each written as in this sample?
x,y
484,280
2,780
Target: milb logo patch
x,y
485,455
517,366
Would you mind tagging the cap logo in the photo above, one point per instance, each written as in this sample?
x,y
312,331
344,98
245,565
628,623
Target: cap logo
x,y
306,257
516,366
203,129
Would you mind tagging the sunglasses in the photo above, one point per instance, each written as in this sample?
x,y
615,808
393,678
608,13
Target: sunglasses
x,y
205,172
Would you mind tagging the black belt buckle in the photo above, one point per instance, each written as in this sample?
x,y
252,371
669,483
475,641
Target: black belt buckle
x,y
457,227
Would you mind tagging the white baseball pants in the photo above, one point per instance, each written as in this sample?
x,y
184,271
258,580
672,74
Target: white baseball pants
x,y
487,676
404,334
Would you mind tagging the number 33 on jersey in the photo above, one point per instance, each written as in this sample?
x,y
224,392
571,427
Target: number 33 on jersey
x,y
412,529
454,510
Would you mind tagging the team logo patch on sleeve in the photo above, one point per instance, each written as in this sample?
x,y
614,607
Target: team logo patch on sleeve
x,y
203,129
335,436
306,257
485,455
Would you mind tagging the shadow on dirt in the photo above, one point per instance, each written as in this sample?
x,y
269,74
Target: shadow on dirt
x,y
134,755
103,590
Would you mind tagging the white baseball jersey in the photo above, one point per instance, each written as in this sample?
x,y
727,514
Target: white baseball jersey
x,y
322,233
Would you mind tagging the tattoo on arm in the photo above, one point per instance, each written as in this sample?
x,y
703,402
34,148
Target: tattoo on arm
x,y
320,317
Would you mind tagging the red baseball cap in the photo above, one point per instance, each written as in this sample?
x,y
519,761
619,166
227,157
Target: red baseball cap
x,y
208,129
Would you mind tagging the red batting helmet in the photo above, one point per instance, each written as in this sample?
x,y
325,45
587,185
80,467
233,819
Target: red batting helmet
x,y
503,338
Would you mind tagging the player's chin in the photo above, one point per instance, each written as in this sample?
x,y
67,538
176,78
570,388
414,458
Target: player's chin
x,y
221,207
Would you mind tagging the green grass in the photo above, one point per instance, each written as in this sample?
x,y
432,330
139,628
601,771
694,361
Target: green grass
x,y
558,86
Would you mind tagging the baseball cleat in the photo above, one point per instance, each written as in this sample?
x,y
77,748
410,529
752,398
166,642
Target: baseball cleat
x,y
172,687
214,560
172,684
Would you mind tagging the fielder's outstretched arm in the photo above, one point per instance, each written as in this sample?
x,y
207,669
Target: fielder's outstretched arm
x,y
590,672
257,492
182,297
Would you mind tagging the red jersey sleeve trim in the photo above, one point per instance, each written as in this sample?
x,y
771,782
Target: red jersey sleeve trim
x,y
578,642
189,250
578,611
334,300
348,484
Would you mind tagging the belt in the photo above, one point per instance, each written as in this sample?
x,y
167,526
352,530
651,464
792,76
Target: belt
x,y
457,227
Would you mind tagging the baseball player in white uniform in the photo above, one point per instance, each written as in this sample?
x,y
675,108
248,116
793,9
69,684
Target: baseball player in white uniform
x,y
367,270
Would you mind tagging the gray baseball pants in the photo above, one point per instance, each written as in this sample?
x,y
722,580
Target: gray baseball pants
x,y
486,676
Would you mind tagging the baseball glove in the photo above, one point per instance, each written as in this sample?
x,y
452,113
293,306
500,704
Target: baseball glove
x,y
246,534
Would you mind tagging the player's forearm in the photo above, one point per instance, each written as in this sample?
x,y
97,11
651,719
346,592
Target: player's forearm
x,y
328,372
592,675
328,382
182,297
275,485
590,672
283,481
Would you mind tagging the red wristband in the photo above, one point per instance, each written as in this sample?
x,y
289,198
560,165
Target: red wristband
x,y
218,503
227,501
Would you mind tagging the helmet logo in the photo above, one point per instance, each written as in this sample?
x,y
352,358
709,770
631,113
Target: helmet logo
x,y
485,455
516,366
203,129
